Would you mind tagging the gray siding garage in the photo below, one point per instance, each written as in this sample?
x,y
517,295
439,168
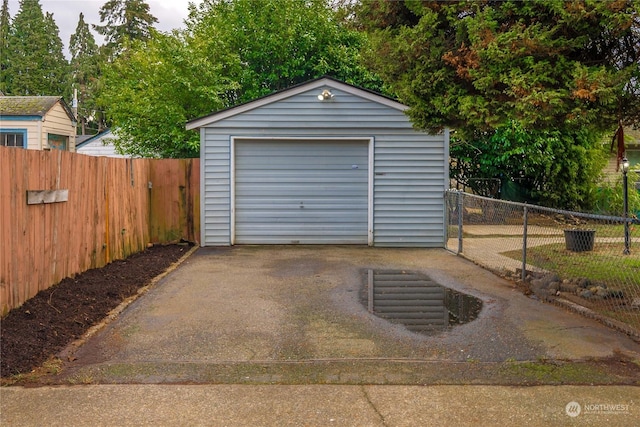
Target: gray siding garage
x,y
298,168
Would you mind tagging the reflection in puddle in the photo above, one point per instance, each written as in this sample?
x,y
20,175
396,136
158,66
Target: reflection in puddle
x,y
417,302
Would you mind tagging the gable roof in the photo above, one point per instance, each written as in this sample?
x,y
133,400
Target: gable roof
x,y
295,90
91,138
36,106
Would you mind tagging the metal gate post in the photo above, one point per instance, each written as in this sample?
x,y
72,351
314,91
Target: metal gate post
x,y
524,243
460,221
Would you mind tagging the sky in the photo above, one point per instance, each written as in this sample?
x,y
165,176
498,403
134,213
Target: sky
x,y
170,13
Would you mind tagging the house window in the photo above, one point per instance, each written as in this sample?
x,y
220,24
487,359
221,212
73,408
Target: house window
x,y
57,142
13,138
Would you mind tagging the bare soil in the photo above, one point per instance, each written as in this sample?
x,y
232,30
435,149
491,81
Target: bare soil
x,y
48,322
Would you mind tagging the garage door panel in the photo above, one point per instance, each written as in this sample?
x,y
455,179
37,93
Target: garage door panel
x,y
301,192
299,234
324,219
327,175
316,164
328,185
283,206
296,194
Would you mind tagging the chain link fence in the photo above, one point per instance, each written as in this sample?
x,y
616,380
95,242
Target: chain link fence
x,y
589,263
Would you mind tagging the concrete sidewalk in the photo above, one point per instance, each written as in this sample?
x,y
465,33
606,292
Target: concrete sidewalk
x,y
317,405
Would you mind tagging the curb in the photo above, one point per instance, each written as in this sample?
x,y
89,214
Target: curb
x,y
70,349
632,332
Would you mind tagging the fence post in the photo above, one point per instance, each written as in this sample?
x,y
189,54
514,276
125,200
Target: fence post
x,y
460,221
524,242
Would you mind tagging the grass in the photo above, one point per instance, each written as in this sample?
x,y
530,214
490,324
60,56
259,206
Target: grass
x,y
602,230
53,366
605,263
545,372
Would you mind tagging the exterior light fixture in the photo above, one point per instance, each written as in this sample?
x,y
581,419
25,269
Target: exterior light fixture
x,y
625,207
325,95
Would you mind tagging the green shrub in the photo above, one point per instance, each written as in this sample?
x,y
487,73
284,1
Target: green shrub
x,y
609,197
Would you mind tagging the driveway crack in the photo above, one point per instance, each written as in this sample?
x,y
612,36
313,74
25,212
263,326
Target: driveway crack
x,y
373,406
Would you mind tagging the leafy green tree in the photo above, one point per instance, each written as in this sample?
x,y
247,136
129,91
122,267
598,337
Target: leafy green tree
x,y
479,67
5,52
154,88
37,65
124,20
231,52
280,43
85,67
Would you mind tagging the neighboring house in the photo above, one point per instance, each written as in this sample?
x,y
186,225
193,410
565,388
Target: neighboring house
x,y
99,145
37,123
322,162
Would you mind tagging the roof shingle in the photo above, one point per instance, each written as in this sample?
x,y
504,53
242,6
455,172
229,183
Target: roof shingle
x,y
31,105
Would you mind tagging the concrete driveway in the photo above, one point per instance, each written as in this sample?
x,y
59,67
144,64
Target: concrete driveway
x,y
294,315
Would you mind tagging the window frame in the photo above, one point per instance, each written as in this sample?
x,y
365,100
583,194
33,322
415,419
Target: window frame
x,y
16,131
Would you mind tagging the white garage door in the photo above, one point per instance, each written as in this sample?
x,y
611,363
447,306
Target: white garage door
x,y
301,192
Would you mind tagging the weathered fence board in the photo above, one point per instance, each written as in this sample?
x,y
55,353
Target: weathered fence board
x,y
110,213
174,197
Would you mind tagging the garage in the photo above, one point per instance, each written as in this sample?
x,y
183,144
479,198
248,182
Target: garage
x,y
323,162
301,191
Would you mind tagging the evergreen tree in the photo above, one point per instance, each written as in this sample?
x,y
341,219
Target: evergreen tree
x,y
529,86
124,20
477,65
5,22
85,60
37,65
57,65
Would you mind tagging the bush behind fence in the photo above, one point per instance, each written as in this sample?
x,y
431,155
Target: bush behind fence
x,y
577,258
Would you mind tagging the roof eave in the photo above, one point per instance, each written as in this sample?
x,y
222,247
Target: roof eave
x,y
68,110
93,138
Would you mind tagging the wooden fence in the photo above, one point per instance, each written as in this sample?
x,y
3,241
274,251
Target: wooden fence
x,y
112,208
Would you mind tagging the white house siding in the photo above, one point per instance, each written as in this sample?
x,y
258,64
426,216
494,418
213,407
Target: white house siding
x,y
97,148
410,168
100,146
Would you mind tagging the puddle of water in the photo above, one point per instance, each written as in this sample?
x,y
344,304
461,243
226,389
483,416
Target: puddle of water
x,y
417,302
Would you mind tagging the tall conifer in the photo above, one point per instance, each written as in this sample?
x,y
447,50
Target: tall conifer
x,y
124,20
36,64
5,23
85,72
